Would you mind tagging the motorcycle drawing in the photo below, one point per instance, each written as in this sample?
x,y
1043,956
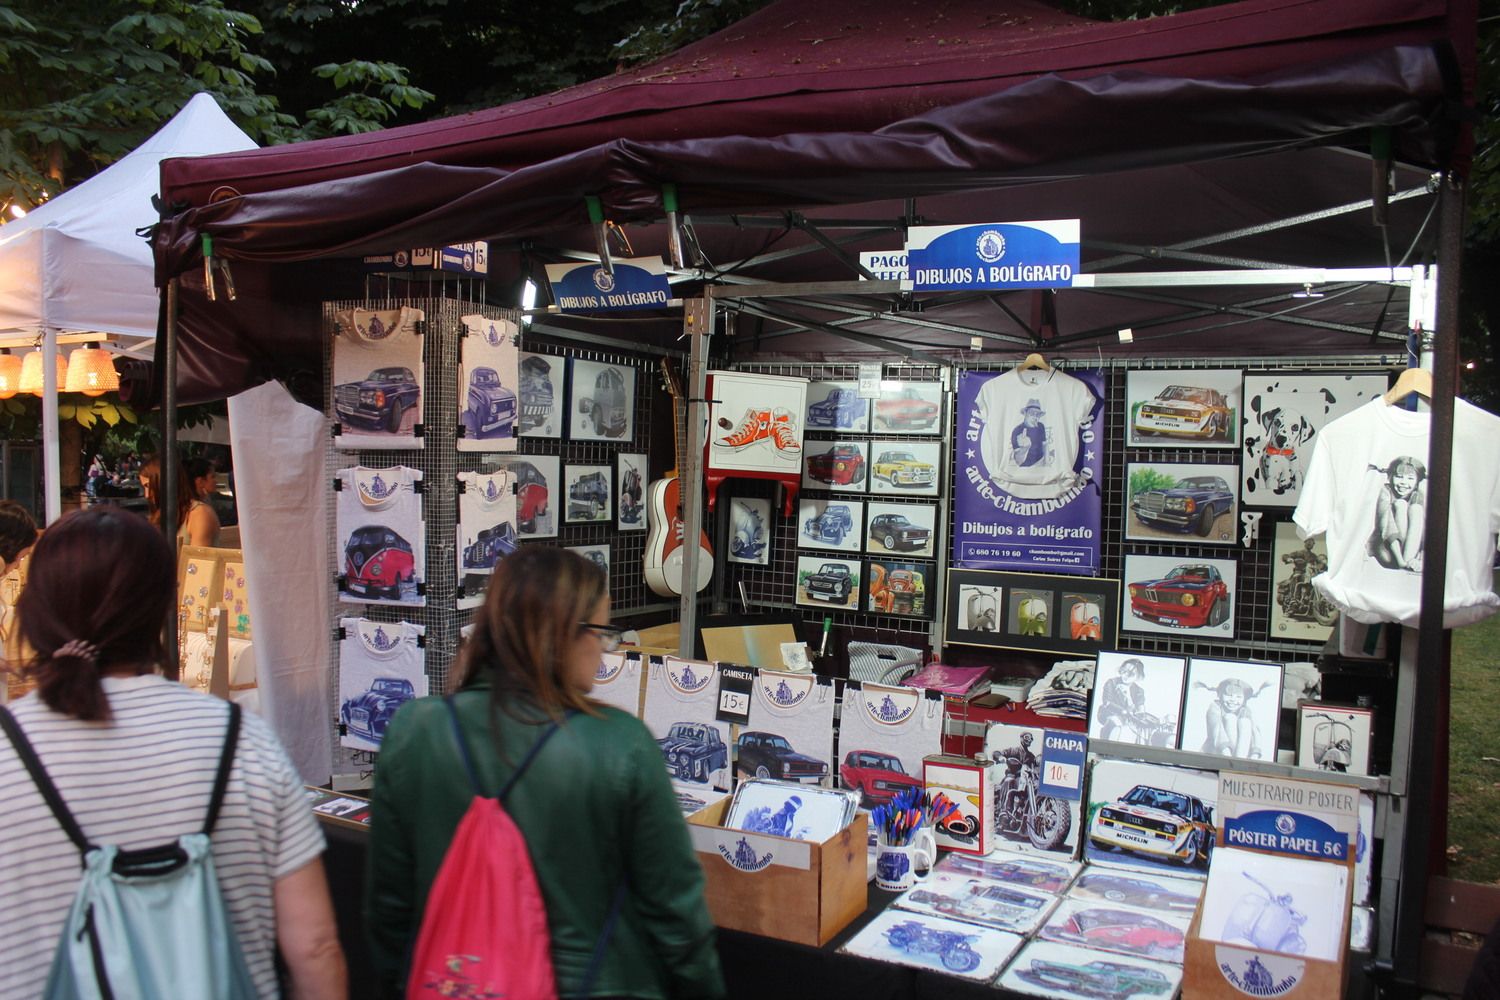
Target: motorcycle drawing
x,y
1266,920
1301,601
952,949
1145,729
1021,811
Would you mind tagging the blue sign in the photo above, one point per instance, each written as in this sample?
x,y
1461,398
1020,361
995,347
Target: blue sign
x,y
640,283
1062,764
994,255
1286,832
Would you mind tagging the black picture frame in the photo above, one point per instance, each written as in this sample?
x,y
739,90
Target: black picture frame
x,y
1005,606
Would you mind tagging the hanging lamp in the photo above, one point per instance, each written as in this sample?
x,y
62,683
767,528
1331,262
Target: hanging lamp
x,y
10,374
31,372
91,371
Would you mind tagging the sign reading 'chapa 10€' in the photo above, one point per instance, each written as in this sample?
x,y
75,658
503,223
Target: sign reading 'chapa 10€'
x,y
993,255
637,283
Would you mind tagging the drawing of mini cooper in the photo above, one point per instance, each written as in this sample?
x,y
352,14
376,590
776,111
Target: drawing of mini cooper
x,y
377,561
901,468
832,582
693,750
1101,979
1189,596
369,712
1185,411
1156,823
877,777
491,411
767,755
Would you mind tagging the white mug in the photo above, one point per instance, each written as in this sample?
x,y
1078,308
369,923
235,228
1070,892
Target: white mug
x,y
896,865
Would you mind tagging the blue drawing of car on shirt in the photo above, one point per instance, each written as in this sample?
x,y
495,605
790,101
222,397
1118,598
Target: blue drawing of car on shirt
x,y
369,712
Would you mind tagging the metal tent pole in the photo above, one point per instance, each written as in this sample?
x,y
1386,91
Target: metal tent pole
x,y
51,463
697,326
167,488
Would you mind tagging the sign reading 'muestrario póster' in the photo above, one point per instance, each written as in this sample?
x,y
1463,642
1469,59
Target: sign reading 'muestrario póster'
x,y
993,255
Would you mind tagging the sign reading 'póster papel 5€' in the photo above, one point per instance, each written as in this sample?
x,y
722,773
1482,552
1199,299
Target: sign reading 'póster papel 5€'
x,y
1041,254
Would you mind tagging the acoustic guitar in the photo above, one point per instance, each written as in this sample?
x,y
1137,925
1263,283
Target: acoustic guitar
x,y
664,542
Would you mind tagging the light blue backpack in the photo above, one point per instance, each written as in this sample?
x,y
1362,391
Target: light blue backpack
x,y
147,923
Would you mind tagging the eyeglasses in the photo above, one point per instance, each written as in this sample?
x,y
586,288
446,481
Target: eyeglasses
x,y
610,636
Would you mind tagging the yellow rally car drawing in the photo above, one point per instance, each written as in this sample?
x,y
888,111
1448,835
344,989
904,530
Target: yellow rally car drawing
x,y
1157,823
901,468
1185,411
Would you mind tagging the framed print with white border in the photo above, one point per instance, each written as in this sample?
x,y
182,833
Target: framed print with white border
x,y
630,492
824,581
1298,609
907,468
843,466
602,401
1183,408
1179,595
837,406
588,489
1171,502
901,588
830,524
596,554
750,531
1334,737
1284,413
901,529
541,400
1232,708
909,408
1137,698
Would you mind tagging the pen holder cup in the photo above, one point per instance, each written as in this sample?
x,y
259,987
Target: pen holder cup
x,y
896,865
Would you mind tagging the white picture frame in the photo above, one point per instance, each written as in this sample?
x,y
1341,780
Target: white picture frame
x,y
906,467
1231,708
1298,609
1187,502
1283,414
835,583
901,530
1334,738
908,408
1154,598
749,531
596,554
1121,792
631,477
541,401
1137,698
837,524
588,495
1194,408
837,406
755,423
601,401
841,466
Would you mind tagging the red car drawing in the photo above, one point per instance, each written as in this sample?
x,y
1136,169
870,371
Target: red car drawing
x,y
842,465
531,496
878,777
377,561
1190,596
1121,930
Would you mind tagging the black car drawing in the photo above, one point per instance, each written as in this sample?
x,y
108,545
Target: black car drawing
x,y
490,546
536,391
491,411
1134,891
693,750
588,497
1191,505
369,712
606,406
830,526
832,582
767,755
379,400
896,531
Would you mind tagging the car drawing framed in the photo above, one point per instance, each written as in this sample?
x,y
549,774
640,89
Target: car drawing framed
x,y
541,399
1179,595
630,491
601,401
980,901
907,529
489,382
377,378
1049,875
935,943
1150,816
1031,611
1182,503
1334,737
1183,408
1160,935
1051,969
1231,708
830,524
900,588
836,465
905,468
1144,890
1137,698
750,531
908,408
538,483
837,406
596,554
1283,414
1298,609
828,582
588,493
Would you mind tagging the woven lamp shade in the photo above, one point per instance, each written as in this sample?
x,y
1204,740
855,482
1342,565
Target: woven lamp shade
x,y
10,375
31,372
91,371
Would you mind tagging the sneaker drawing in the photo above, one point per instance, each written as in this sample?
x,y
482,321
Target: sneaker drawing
x,y
784,431
754,426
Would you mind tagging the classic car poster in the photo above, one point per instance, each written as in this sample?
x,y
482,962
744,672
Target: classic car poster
x,y
541,397
596,554
750,527
1284,413
909,408
537,481
589,493
1231,708
837,406
901,588
486,530
823,581
601,403
1298,609
1032,611
380,669
836,465
1334,737
1027,821
907,529
1182,503
756,423
1150,816
1179,595
1148,891
981,901
377,378
1029,457
830,524
1183,408
884,733
1159,935
906,468
630,492
1289,905
790,732
927,942
1049,969
1048,875
488,381
1137,698
682,698
383,539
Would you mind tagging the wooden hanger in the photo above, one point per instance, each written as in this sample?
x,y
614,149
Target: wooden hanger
x,y
1034,362
1418,380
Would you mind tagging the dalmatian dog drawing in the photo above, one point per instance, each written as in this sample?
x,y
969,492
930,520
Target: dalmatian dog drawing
x,y
1280,460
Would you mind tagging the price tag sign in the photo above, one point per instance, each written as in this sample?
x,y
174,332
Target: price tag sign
x,y
734,694
1062,764
869,380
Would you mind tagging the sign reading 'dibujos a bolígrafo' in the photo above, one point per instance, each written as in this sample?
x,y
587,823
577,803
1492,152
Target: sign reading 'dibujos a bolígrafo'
x,y
637,283
991,255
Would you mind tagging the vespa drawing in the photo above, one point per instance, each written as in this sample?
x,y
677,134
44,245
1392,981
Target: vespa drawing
x,y
1266,920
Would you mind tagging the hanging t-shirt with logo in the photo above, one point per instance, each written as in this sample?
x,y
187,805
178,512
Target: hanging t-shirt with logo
x,y
790,733
377,378
682,698
1026,820
1031,422
617,682
1366,488
380,669
884,734
488,400
382,539
486,530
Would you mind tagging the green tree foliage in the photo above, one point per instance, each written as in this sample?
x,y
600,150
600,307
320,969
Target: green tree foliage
x,y
1146,478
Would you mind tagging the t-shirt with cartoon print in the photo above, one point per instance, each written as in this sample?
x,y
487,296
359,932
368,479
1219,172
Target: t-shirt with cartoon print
x,y
879,723
790,732
380,669
382,539
1031,421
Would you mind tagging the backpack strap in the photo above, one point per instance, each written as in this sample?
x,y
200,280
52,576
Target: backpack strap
x,y
226,761
596,960
43,782
468,759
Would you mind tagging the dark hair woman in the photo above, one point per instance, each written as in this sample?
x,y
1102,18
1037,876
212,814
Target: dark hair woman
x,y
595,805
134,757
197,524
17,535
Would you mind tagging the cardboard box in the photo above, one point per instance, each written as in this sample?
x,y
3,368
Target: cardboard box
x,y
795,890
1212,969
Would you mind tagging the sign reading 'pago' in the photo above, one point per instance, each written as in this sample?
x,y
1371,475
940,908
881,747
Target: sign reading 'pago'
x,y
993,255
637,283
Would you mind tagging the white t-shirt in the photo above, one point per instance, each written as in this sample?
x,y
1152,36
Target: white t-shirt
x,y
899,721
799,708
380,669
140,780
1367,487
382,538
486,502
1031,421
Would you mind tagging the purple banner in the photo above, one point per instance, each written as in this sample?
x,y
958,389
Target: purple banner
x,y
1029,458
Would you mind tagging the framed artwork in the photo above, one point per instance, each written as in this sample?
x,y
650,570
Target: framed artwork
x,y
1183,408
901,588
1032,611
377,378
836,465
596,554
909,408
837,406
1177,595
537,478
1284,412
756,423
630,492
588,493
1049,969
1334,737
908,468
1137,698
1158,935
938,944
992,904
908,529
1154,817
828,582
541,402
603,402
488,380
1182,503
830,524
750,531
1232,708
1298,609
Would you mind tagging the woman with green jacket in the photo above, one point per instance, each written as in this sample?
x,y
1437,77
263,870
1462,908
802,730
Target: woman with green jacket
x,y
595,805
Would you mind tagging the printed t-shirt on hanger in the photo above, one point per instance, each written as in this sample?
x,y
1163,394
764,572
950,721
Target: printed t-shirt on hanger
x,y
382,539
380,669
1031,425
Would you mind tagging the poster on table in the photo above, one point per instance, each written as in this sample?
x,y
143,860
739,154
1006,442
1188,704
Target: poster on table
x,y
1030,455
836,465
1137,698
1150,816
980,901
537,479
486,530
1140,889
383,540
1171,502
682,699
901,588
828,582
750,527
1027,820
377,378
380,669
1183,408
830,524
630,492
908,529
1298,609
1176,595
589,493
488,379
1048,875
1284,413
906,468
1114,927
596,554
909,408
1049,969
884,734
837,406
542,400
790,733
926,942
1231,708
